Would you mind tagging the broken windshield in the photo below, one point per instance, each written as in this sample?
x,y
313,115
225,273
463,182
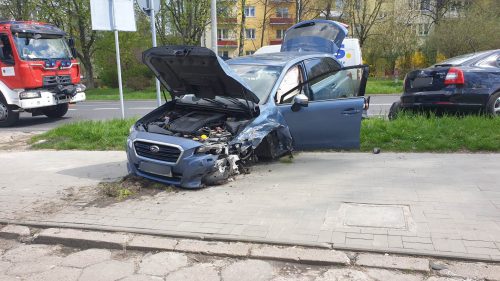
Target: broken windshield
x,y
260,78
30,48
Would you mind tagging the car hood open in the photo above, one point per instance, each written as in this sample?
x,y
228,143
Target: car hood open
x,y
196,70
324,36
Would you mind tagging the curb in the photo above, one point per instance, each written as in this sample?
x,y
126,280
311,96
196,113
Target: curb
x,y
305,255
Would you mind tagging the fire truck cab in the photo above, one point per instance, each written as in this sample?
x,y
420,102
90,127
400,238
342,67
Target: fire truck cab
x,y
39,73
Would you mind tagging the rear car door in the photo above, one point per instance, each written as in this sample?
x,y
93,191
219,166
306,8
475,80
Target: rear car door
x,y
332,118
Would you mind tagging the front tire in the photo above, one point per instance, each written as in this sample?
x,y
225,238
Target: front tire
x,y
493,105
8,117
56,111
267,150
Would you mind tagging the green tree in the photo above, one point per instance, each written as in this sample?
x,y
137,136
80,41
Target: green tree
x,y
17,9
188,19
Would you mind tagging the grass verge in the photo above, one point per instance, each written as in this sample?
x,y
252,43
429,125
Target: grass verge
x,y
408,133
376,86
86,135
419,133
128,94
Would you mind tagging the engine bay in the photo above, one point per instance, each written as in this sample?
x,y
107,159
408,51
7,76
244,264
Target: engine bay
x,y
205,127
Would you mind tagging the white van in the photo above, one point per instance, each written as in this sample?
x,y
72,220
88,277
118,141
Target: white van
x,y
348,55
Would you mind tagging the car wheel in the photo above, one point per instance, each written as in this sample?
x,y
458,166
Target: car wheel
x,y
8,117
394,110
56,111
493,105
267,149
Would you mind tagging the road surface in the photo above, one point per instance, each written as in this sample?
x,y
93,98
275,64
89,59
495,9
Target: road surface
x,y
102,110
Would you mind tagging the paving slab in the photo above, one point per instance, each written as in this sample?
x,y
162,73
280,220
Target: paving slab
x,y
471,270
82,259
391,275
82,238
107,270
343,274
56,273
199,272
393,262
25,253
232,249
29,267
12,231
151,243
248,270
312,256
162,263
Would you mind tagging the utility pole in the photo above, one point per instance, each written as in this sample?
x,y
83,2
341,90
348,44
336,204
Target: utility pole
x,y
213,25
153,33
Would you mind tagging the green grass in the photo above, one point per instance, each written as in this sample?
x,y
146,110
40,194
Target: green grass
x,y
408,133
418,133
113,94
86,135
376,86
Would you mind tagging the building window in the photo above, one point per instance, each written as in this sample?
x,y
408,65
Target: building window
x,y
250,11
248,53
280,33
222,34
282,12
423,29
224,54
250,33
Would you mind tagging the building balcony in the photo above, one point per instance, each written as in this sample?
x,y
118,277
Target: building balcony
x,y
227,43
229,20
281,21
275,41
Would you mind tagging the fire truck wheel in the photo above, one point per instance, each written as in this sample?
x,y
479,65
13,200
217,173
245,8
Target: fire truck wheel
x,y
7,116
56,111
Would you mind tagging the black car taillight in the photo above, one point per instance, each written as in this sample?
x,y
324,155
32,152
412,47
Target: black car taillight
x,y
455,76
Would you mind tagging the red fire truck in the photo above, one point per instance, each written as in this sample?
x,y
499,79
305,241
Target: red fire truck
x,y
39,73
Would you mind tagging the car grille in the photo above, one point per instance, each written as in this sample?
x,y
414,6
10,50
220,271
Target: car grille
x,y
165,153
52,81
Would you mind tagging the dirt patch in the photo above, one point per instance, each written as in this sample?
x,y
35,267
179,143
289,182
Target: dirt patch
x,y
15,140
130,187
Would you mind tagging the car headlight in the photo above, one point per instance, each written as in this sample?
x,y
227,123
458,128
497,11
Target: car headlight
x,y
80,88
30,95
132,129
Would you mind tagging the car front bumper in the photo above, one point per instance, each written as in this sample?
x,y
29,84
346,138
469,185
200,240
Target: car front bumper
x,y
49,99
187,171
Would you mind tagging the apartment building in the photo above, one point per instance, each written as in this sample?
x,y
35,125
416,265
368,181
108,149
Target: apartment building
x,y
265,24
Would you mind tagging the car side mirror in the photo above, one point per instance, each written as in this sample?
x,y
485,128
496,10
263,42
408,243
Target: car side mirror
x,y
71,44
299,101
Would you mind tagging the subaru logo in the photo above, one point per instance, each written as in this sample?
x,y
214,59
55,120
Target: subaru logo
x,y
154,149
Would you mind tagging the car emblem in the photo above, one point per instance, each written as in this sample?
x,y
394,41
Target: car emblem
x,y
154,149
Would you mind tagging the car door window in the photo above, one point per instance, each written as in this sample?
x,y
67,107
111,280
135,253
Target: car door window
x,y
491,61
293,78
328,81
6,55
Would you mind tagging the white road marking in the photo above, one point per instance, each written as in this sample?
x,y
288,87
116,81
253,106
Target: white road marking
x,y
141,108
72,109
380,104
106,108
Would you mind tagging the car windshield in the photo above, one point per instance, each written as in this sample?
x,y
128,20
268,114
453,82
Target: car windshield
x,y
260,78
461,59
30,48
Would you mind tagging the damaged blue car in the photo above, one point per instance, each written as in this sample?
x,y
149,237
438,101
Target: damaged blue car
x,y
227,113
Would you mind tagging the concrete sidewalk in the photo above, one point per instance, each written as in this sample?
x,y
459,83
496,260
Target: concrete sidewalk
x,y
429,204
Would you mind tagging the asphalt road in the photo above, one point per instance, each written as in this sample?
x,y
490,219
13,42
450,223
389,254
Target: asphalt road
x,y
101,110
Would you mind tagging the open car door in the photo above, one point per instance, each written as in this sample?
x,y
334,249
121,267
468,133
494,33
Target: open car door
x,y
326,111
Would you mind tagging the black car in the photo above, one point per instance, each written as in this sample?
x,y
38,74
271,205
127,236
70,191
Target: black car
x,y
461,84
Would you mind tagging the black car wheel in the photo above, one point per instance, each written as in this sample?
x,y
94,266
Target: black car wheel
x,y
267,150
394,110
493,105
56,111
7,116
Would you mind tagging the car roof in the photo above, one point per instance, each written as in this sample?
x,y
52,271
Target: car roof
x,y
276,59
468,59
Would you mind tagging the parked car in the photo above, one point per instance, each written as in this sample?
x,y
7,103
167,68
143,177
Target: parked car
x,y
225,113
465,83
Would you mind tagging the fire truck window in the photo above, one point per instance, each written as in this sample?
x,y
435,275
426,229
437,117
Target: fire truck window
x,y
6,49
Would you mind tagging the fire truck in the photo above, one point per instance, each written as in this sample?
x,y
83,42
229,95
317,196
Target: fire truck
x,y
39,73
